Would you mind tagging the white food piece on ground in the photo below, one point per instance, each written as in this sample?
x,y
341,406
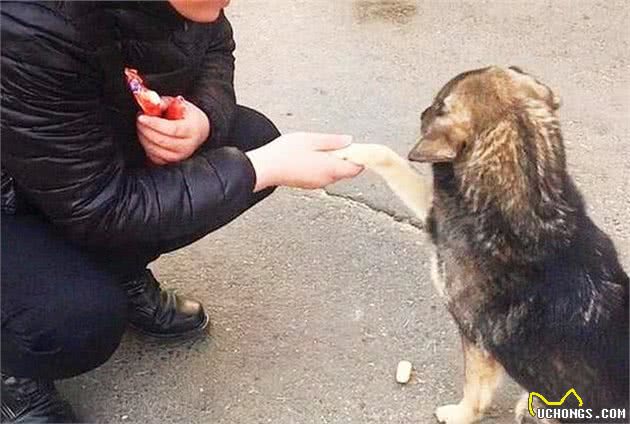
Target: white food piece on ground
x,y
403,372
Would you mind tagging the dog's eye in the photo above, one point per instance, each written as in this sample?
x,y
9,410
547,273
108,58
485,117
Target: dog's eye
x,y
439,109
436,110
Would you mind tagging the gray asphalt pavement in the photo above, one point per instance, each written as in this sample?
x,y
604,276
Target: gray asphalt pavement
x,y
315,296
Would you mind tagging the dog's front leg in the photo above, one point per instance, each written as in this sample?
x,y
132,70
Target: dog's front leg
x,y
483,375
414,190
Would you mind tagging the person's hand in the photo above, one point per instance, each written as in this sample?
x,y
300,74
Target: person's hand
x,y
301,160
166,141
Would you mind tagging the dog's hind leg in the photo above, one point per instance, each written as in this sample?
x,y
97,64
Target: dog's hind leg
x,y
522,415
483,374
414,190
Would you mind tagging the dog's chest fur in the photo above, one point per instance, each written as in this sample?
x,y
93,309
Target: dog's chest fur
x,y
520,312
455,274
455,266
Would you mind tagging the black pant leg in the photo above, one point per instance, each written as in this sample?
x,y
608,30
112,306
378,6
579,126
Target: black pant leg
x,y
62,314
251,129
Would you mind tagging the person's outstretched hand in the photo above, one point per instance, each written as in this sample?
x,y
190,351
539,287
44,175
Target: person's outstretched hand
x,y
168,141
301,160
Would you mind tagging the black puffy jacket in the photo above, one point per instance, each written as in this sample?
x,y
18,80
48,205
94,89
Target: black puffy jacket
x,y
69,145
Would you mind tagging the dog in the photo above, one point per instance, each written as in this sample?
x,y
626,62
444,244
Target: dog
x,y
535,287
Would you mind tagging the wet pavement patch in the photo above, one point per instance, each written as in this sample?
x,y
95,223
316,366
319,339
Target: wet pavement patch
x,y
392,11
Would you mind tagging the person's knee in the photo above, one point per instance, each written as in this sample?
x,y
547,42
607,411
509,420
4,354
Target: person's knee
x,y
70,334
95,326
253,129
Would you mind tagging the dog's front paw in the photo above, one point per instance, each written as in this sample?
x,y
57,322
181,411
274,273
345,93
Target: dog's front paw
x,y
370,155
455,414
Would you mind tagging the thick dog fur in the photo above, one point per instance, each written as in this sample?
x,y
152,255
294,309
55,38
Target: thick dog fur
x,y
533,284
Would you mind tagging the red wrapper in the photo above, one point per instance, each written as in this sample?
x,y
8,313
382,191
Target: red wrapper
x,y
175,109
150,101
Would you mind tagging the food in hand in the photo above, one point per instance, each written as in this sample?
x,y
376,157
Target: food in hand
x,y
150,101
176,108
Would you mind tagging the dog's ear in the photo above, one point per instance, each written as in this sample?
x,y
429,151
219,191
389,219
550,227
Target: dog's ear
x,y
433,150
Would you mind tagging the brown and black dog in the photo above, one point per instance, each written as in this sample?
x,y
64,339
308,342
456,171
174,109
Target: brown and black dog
x,y
534,286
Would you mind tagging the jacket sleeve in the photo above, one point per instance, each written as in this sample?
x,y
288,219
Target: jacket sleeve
x,y
61,149
213,90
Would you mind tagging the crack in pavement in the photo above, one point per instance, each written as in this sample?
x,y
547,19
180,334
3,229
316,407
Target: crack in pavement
x,y
409,221
403,219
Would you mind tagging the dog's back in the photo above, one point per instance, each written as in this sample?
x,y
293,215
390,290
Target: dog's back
x,y
534,286
563,323
578,303
527,275
554,324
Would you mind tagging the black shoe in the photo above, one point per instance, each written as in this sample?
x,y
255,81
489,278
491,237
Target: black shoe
x,y
31,401
162,313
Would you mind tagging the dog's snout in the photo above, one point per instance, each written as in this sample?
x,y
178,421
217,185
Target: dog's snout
x,y
412,155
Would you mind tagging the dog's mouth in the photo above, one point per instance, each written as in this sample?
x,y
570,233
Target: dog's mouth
x,y
429,150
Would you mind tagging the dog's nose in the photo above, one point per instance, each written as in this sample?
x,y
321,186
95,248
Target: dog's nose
x,y
414,155
432,150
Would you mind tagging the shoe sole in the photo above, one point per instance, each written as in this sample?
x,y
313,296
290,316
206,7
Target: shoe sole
x,y
190,334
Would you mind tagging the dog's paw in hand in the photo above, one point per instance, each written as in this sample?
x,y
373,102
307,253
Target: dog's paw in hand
x,y
455,414
369,155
